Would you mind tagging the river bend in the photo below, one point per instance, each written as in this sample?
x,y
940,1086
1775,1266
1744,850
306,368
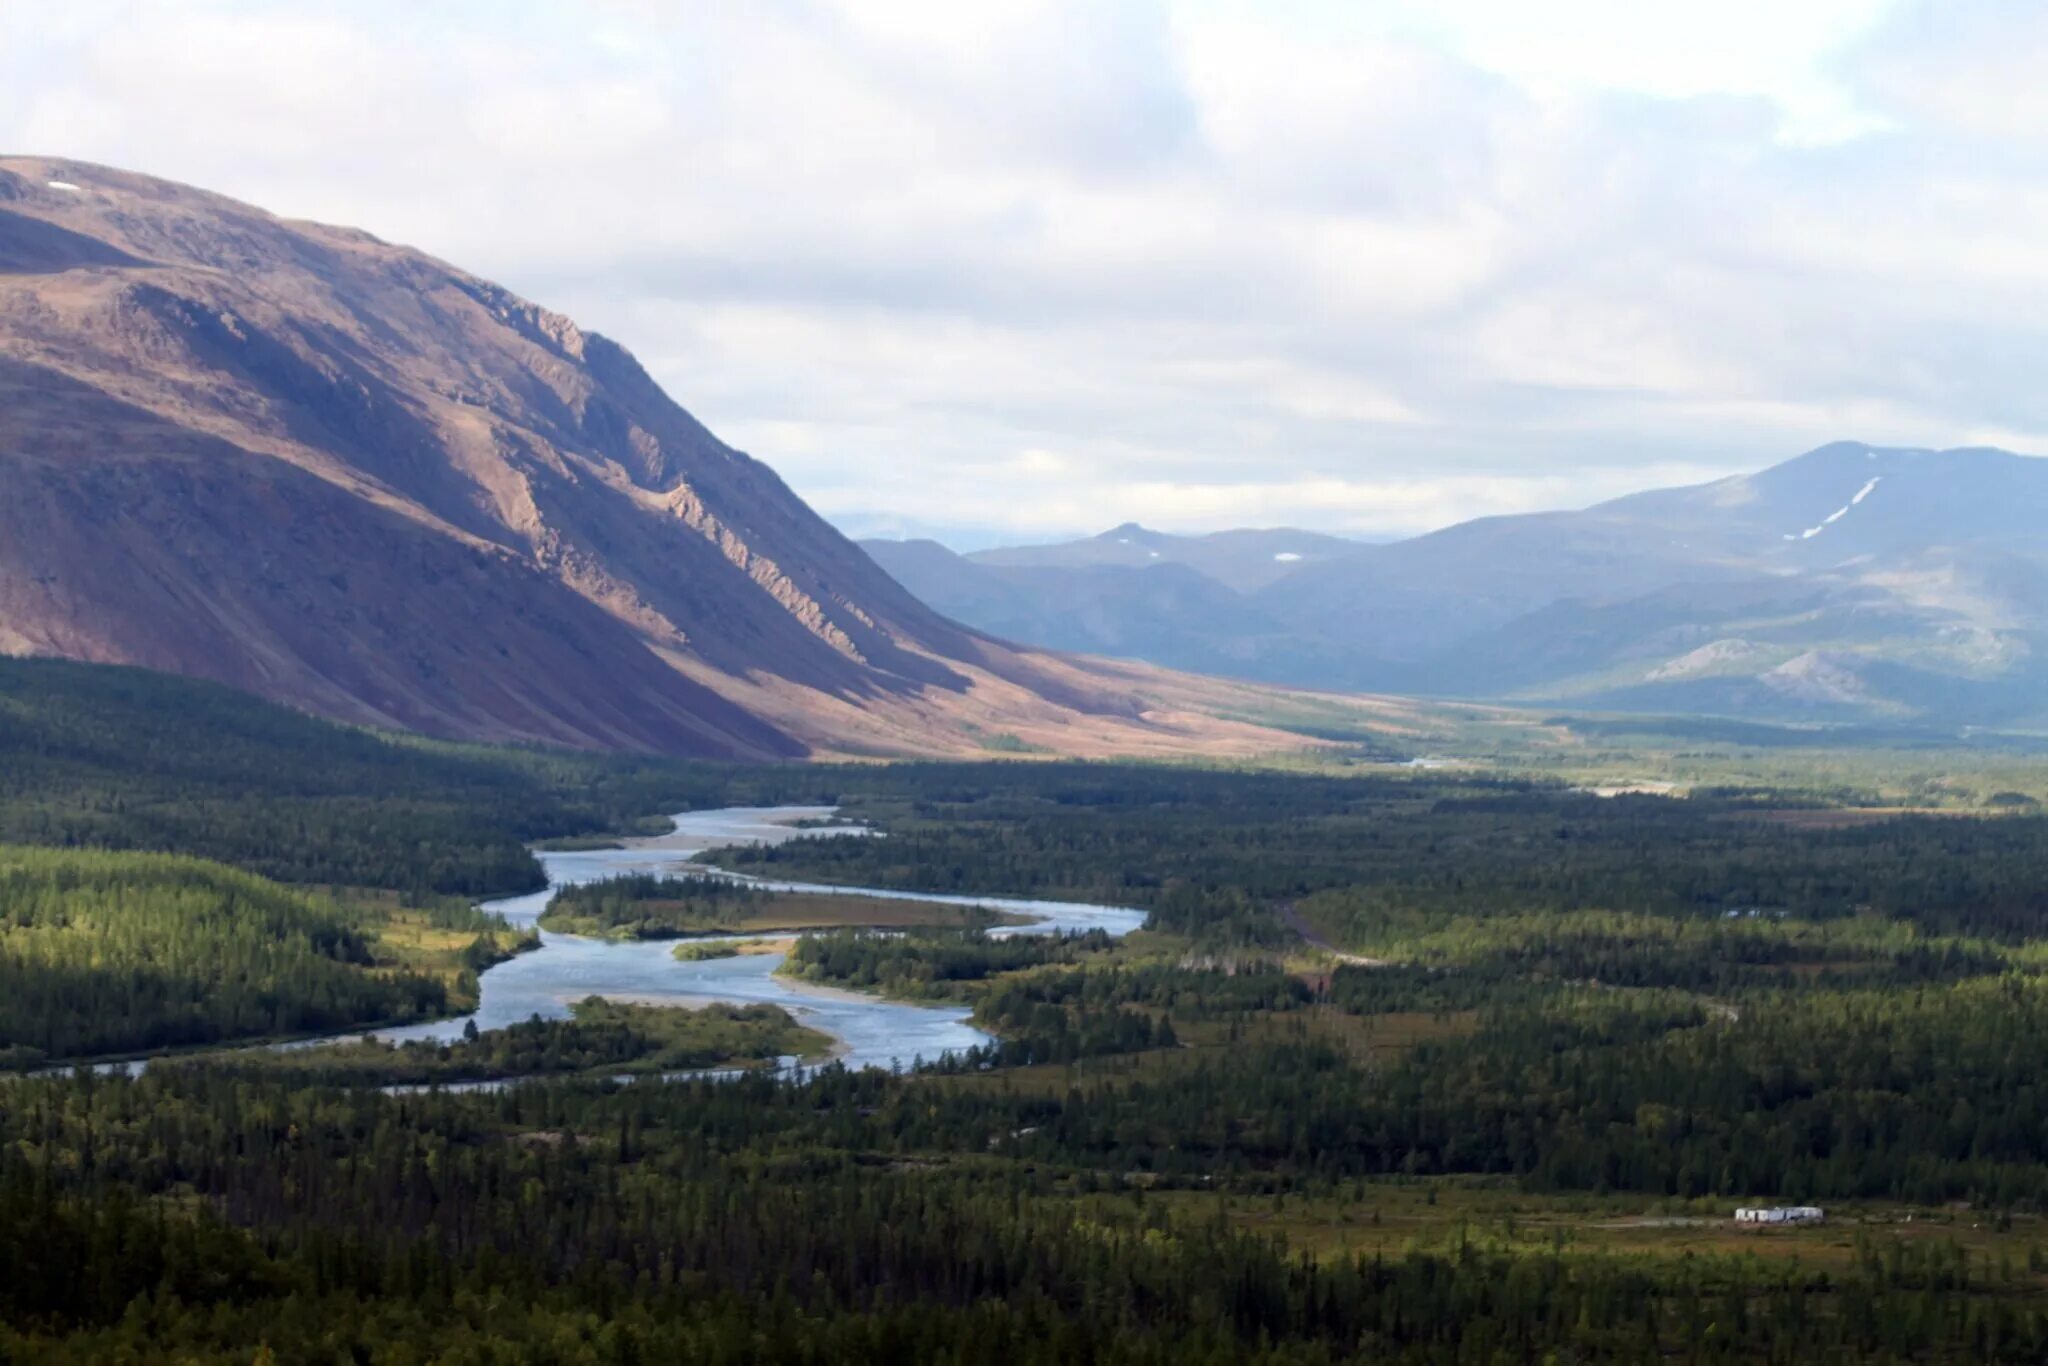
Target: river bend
x,y
871,1031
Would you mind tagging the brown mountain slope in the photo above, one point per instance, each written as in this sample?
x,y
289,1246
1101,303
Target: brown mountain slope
x,y
347,476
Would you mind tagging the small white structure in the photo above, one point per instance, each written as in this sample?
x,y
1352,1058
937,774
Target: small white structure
x,y
1781,1214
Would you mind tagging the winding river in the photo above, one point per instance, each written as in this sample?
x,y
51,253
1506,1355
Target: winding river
x,y
871,1031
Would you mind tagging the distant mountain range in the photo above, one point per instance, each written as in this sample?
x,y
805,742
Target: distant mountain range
x,y
346,476
1852,583
1242,561
349,477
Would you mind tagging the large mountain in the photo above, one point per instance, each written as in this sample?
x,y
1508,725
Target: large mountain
x,y
344,475
1853,582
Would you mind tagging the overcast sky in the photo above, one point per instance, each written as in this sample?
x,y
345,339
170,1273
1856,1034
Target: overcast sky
x,y
1002,271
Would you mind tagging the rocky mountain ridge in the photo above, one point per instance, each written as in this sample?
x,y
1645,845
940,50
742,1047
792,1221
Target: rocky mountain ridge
x,y
345,475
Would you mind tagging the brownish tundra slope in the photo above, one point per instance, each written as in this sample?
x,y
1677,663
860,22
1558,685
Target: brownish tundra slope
x,y
347,476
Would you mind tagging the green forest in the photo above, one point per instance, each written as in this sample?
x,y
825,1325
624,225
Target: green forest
x,y
930,964
600,1039
1405,1066
111,953
644,906
127,759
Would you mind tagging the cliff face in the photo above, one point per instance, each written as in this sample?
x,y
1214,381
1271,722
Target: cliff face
x,y
347,476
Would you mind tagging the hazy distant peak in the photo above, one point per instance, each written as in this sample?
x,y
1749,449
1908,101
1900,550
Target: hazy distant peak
x,y
1243,560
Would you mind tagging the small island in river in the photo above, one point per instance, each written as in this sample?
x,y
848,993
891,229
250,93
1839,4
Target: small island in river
x,y
648,906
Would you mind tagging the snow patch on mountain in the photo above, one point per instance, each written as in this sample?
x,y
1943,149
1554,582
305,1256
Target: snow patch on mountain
x,y
1838,514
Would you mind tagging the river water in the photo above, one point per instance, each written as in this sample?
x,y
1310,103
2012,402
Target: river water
x,y
872,1032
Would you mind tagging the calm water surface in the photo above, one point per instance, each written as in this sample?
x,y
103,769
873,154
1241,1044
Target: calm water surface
x,y
566,968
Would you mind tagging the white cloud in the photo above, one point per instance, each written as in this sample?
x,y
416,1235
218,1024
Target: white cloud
x,y
1968,67
1764,49
1048,265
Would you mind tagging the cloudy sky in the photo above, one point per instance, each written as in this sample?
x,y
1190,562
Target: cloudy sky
x,y
1001,271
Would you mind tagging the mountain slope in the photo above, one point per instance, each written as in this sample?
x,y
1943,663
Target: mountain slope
x,y
341,474
1107,608
1853,582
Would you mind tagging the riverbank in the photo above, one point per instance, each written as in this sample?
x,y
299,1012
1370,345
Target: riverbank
x,y
602,1039
868,1031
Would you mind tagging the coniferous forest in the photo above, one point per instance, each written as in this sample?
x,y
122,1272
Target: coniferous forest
x,y
110,953
1404,1066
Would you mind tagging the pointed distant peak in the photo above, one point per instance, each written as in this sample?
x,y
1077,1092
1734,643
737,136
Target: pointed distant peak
x,y
1131,533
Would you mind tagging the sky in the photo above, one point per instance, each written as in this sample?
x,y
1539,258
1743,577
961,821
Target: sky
x,y
1006,272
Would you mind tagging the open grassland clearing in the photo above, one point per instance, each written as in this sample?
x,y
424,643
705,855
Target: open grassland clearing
x,y
1391,1216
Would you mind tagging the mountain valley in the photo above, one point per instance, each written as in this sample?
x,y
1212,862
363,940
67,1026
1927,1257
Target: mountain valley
x,y
1854,583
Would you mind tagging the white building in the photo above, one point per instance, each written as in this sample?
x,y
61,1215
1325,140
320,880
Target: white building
x,y
1781,1214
